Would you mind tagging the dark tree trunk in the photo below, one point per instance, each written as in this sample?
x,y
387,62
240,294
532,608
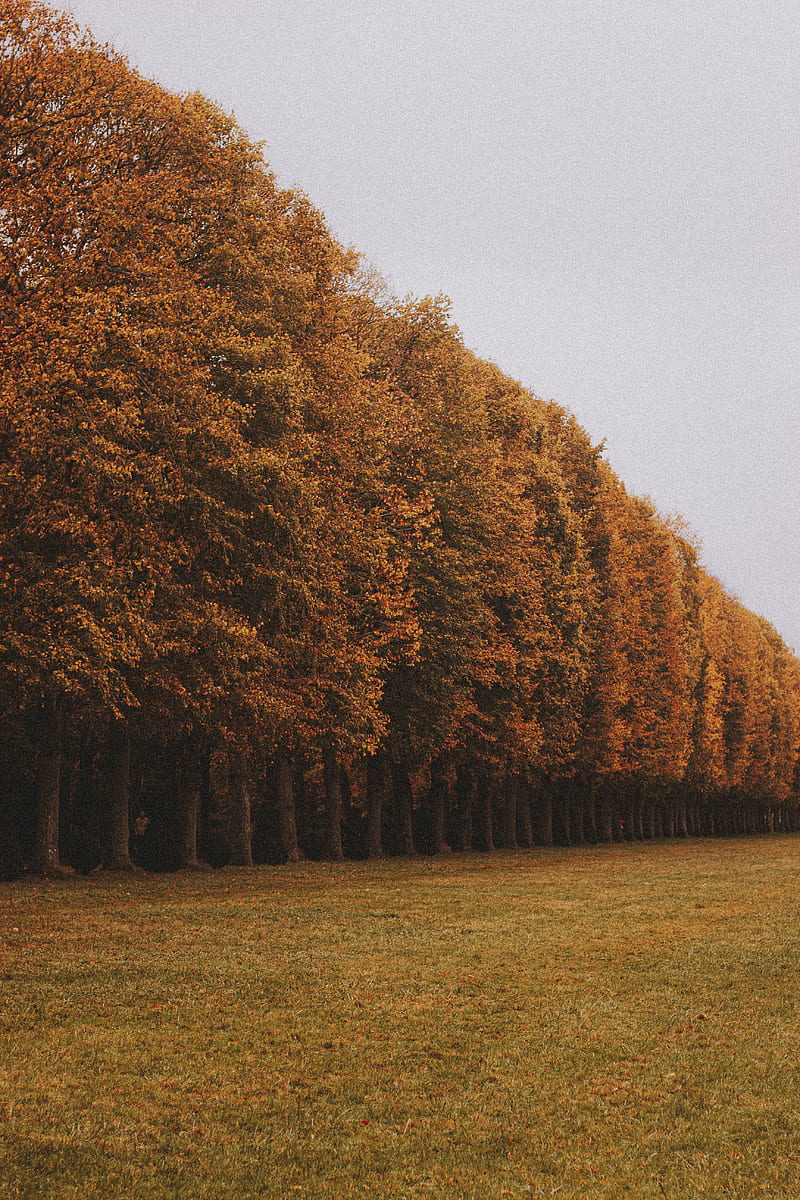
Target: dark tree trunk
x,y
207,797
630,814
509,813
118,832
660,812
333,806
11,862
668,815
680,826
638,806
46,859
578,813
438,805
376,784
525,825
562,813
590,809
287,815
544,813
302,807
606,814
347,792
189,783
240,831
465,788
618,808
484,791
404,801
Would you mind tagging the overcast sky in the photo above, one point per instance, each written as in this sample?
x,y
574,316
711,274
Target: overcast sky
x,y
608,191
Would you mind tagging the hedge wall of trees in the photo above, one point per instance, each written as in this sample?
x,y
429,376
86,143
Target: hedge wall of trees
x,y
285,569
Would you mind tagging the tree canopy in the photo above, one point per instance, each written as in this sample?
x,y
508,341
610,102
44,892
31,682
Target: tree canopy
x,y
283,565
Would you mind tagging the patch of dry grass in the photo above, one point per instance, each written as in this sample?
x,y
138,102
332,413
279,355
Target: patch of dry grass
x,y
615,1022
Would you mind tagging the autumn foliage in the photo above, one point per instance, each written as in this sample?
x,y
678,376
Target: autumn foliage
x,y
284,568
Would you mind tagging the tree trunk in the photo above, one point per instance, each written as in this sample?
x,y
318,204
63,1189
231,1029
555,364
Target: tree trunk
x,y
629,830
46,860
287,815
118,833
484,798
606,814
562,813
240,830
509,813
578,813
11,863
438,804
524,814
660,812
680,826
188,810
465,787
638,805
589,784
544,813
333,806
376,783
404,799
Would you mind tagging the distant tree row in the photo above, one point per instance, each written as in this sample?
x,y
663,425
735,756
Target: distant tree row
x,y
286,570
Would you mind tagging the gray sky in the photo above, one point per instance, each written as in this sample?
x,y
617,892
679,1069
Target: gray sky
x,y
608,190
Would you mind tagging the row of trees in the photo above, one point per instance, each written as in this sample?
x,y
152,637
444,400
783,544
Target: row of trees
x,y
283,565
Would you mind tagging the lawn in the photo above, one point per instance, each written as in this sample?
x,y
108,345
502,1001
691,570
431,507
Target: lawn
x,y
618,1021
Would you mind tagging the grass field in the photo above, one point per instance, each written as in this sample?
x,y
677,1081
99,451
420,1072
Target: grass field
x,y
620,1021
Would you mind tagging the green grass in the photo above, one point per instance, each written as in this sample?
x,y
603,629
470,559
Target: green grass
x,y
621,1021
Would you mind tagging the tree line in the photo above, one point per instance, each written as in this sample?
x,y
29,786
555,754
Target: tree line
x,y
285,569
